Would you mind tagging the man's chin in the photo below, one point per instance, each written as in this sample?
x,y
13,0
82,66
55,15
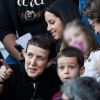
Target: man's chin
x,y
32,75
56,38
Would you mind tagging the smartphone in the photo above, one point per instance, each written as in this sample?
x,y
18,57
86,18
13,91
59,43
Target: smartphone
x,y
19,48
1,63
1,57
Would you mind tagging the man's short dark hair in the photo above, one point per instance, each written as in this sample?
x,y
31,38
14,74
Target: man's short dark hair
x,y
43,41
83,88
72,52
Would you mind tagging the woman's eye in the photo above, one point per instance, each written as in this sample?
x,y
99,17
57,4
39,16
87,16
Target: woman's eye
x,y
51,21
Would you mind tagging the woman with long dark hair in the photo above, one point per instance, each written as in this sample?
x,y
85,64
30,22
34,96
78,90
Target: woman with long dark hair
x,y
58,14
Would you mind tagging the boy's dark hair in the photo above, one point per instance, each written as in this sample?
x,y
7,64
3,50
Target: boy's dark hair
x,y
83,88
72,52
43,41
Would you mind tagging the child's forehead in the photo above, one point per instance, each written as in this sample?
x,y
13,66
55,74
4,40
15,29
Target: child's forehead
x,y
64,59
67,57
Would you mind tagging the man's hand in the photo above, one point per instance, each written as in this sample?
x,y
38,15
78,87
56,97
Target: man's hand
x,y
9,43
5,71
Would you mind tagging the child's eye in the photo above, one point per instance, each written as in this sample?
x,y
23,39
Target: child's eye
x,y
69,40
71,67
77,34
61,67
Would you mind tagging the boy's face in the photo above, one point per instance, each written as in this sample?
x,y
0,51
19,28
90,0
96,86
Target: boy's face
x,y
36,61
68,68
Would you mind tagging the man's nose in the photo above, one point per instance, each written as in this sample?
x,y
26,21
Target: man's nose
x,y
33,60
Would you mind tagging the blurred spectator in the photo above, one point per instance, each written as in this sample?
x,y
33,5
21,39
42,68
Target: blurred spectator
x,y
83,88
91,10
82,4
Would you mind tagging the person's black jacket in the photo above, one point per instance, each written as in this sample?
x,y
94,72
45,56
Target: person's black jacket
x,y
20,87
9,21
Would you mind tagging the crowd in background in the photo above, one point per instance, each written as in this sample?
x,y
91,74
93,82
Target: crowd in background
x,y
62,58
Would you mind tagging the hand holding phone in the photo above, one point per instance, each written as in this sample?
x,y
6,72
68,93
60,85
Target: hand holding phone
x,y
19,48
5,71
1,64
1,57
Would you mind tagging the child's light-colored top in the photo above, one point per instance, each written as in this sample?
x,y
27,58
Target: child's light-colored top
x,y
91,65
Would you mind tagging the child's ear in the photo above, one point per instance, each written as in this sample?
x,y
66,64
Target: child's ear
x,y
23,53
82,70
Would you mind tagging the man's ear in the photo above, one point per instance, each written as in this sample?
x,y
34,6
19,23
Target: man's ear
x,y
49,63
57,70
23,53
82,70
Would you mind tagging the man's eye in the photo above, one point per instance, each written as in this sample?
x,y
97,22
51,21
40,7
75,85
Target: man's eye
x,y
41,58
29,55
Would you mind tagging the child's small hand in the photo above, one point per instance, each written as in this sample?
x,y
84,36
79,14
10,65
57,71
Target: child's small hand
x,y
5,71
